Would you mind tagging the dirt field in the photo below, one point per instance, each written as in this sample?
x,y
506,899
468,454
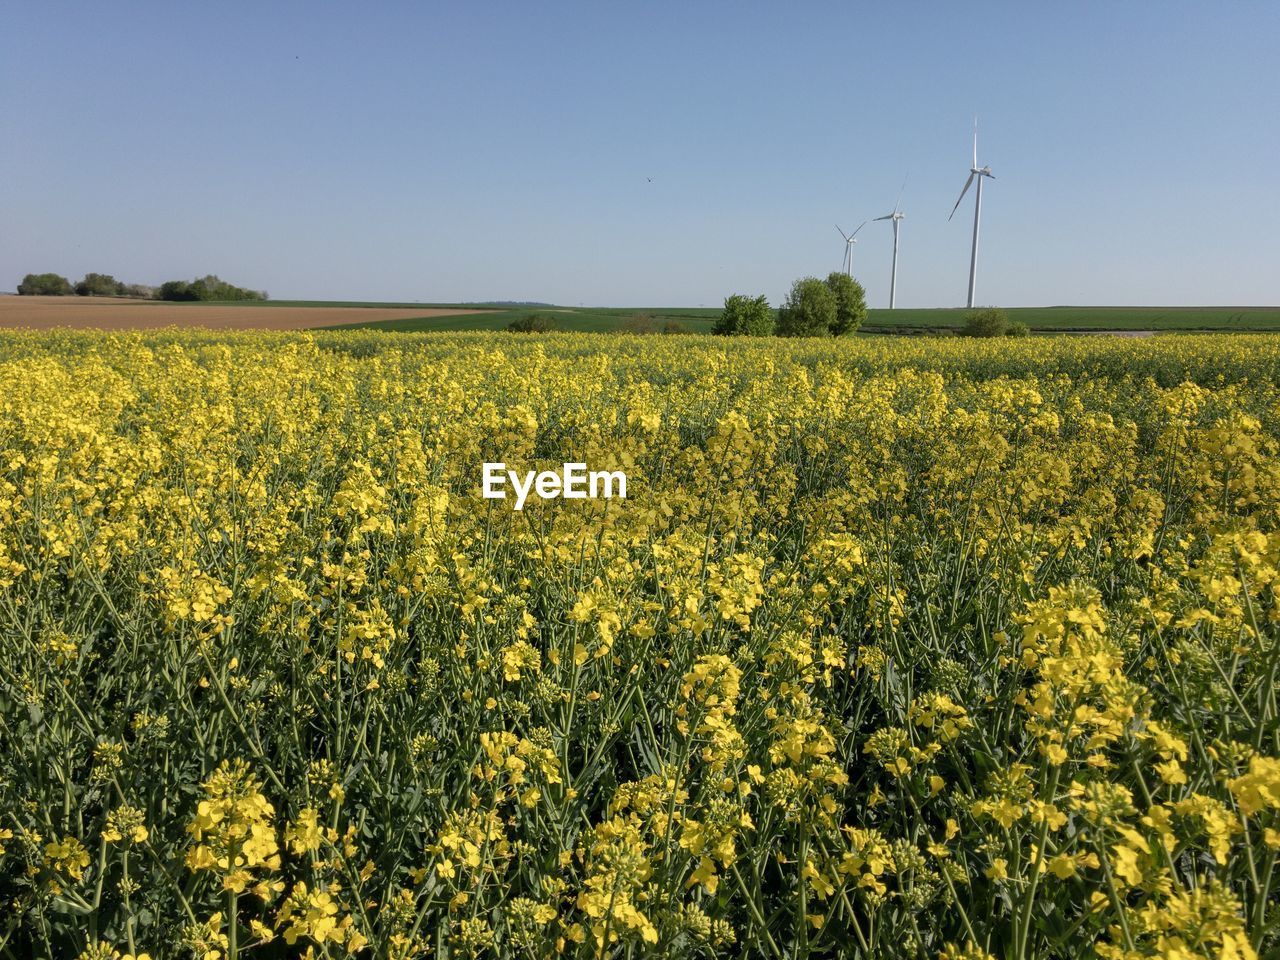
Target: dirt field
x,y
107,313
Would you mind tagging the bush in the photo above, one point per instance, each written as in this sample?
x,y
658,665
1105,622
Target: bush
x,y
533,323
645,323
1017,328
139,291
851,303
206,288
988,322
639,323
810,310
99,285
179,290
746,316
44,285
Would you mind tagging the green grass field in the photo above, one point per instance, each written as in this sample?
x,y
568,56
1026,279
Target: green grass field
x,y
1066,319
903,321
701,319
578,319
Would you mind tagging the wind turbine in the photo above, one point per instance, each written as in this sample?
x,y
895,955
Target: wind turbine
x,y
896,217
849,241
979,172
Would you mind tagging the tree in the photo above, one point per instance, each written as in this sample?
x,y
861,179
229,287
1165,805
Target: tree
x,y
987,322
44,285
206,288
851,303
532,323
99,285
176,290
748,316
808,311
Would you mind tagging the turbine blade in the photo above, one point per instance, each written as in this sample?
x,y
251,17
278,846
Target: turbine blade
x,y
887,216
900,189
855,233
842,233
975,141
961,197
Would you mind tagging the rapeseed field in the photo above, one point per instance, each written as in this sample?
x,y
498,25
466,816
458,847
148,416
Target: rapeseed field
x,y
894,649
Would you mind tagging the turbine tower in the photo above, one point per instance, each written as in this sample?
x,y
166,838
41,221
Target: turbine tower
x,y
896,217
849,241
979,172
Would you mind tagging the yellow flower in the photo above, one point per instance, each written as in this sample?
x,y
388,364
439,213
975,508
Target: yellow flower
x,y
317,915
705,874
67,856
232,828
1062,866
125,822
1259,788
1127,866
304,835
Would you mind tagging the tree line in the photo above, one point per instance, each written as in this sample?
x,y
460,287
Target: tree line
x,y
209,287
836,307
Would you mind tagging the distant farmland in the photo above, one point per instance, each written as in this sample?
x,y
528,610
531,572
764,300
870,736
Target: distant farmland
x,y
112,313
1065,319
702,319
107,313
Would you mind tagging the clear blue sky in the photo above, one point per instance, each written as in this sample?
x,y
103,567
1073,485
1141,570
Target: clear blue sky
x,y
429,151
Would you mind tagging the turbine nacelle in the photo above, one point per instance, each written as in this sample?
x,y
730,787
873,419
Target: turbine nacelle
x,y
974,171
849,240
896,216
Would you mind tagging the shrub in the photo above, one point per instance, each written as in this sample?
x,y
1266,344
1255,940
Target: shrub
x,y
988,322
533,323
638,323
99,285
647,323
1017,328
44,285
176,290
810,310
851,303
746,316
206,288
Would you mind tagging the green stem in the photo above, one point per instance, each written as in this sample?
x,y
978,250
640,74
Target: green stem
x,y
233,905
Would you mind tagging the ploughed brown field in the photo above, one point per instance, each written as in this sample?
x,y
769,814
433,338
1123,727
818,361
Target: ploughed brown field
x,y
110,313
